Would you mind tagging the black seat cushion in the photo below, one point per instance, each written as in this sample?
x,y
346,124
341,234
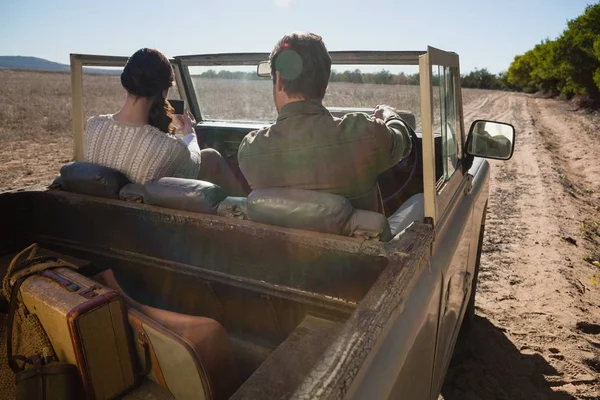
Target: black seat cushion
x,y
315,211
177,193
300,209
91,179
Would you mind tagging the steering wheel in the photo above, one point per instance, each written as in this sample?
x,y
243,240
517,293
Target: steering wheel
x,y
405,172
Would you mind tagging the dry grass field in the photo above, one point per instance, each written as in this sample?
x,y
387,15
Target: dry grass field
x,y
537,331
35,113
253,100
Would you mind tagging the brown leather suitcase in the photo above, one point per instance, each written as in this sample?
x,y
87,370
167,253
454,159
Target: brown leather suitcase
x,y
170,360
87,326
190,356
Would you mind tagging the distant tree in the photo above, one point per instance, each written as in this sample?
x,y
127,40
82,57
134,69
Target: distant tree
x,y
383,77
597,54
356,76
209,74
519,72
482,79
226,74
413,79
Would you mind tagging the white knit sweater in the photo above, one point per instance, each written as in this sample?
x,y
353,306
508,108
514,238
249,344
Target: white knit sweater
x,y
141,152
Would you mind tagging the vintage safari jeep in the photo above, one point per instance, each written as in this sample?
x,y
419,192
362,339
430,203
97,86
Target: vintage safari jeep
x,y
319,300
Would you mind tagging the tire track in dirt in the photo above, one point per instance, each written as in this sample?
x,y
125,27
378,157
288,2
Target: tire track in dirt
x,y
535,301
472,109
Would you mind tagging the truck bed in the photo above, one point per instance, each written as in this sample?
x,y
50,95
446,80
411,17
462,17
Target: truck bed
x,y
284,296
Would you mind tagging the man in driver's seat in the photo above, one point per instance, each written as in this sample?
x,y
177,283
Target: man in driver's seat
x,y
308,148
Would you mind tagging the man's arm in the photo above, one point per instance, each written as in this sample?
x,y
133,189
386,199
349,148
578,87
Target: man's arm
x,y
392,136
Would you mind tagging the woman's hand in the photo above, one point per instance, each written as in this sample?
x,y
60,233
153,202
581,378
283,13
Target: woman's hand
x,y
187,122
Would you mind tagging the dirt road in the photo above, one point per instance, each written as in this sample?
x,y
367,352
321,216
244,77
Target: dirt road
x,y
537,335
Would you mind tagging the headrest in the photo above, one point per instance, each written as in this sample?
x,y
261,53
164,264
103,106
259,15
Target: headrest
x,y
177,193
300,209
91,179
315,211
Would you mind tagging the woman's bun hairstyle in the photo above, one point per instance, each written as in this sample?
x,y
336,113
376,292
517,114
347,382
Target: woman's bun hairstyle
x,y
147,74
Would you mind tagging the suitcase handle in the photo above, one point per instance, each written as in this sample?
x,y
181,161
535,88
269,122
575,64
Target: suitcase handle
x,y
62,281
150,359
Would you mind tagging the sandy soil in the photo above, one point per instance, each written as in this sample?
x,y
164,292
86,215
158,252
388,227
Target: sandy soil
x,y
28,162
537,333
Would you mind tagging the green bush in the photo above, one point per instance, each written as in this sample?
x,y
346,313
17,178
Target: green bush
x,y
566,66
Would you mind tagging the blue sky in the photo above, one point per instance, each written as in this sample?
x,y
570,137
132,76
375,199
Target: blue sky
x,y
484,33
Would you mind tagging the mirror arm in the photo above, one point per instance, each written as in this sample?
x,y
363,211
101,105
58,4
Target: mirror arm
x,y
468,143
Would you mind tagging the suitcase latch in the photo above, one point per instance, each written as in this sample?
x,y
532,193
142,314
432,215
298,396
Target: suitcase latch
x,y
90,292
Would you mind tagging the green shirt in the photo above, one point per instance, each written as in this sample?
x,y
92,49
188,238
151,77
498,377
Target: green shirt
x,y
308,148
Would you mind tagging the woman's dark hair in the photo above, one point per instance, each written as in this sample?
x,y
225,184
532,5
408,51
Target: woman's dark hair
x,y
147,74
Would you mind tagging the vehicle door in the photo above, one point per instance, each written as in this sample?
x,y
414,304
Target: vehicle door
x,y
433,310
448,203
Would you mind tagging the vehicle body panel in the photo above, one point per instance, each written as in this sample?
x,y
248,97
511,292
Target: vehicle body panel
x,y
190,252
402,365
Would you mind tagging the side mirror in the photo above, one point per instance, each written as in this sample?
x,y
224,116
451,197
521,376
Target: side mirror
x,y
490,139
264,69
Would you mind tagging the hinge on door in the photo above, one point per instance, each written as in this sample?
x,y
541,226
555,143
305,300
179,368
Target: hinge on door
x,y
469,184
467,282
447,297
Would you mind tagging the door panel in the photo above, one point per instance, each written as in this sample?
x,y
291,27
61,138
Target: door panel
x,y
413,381
480,171
450,261
452,208
401,366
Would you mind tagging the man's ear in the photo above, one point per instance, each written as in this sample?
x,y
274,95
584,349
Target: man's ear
x,y
278,82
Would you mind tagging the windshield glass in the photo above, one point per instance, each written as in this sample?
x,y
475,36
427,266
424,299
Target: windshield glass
x,y
237,93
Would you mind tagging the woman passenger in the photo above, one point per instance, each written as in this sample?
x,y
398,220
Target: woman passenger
x,y
138,140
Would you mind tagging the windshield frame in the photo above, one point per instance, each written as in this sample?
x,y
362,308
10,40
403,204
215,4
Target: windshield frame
x,y
404,58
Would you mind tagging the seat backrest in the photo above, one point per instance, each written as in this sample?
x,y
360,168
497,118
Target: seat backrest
x,y
177,193
315,211
91,179
292,208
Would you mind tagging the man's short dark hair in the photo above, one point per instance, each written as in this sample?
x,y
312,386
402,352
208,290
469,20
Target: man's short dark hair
x,y
303,63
